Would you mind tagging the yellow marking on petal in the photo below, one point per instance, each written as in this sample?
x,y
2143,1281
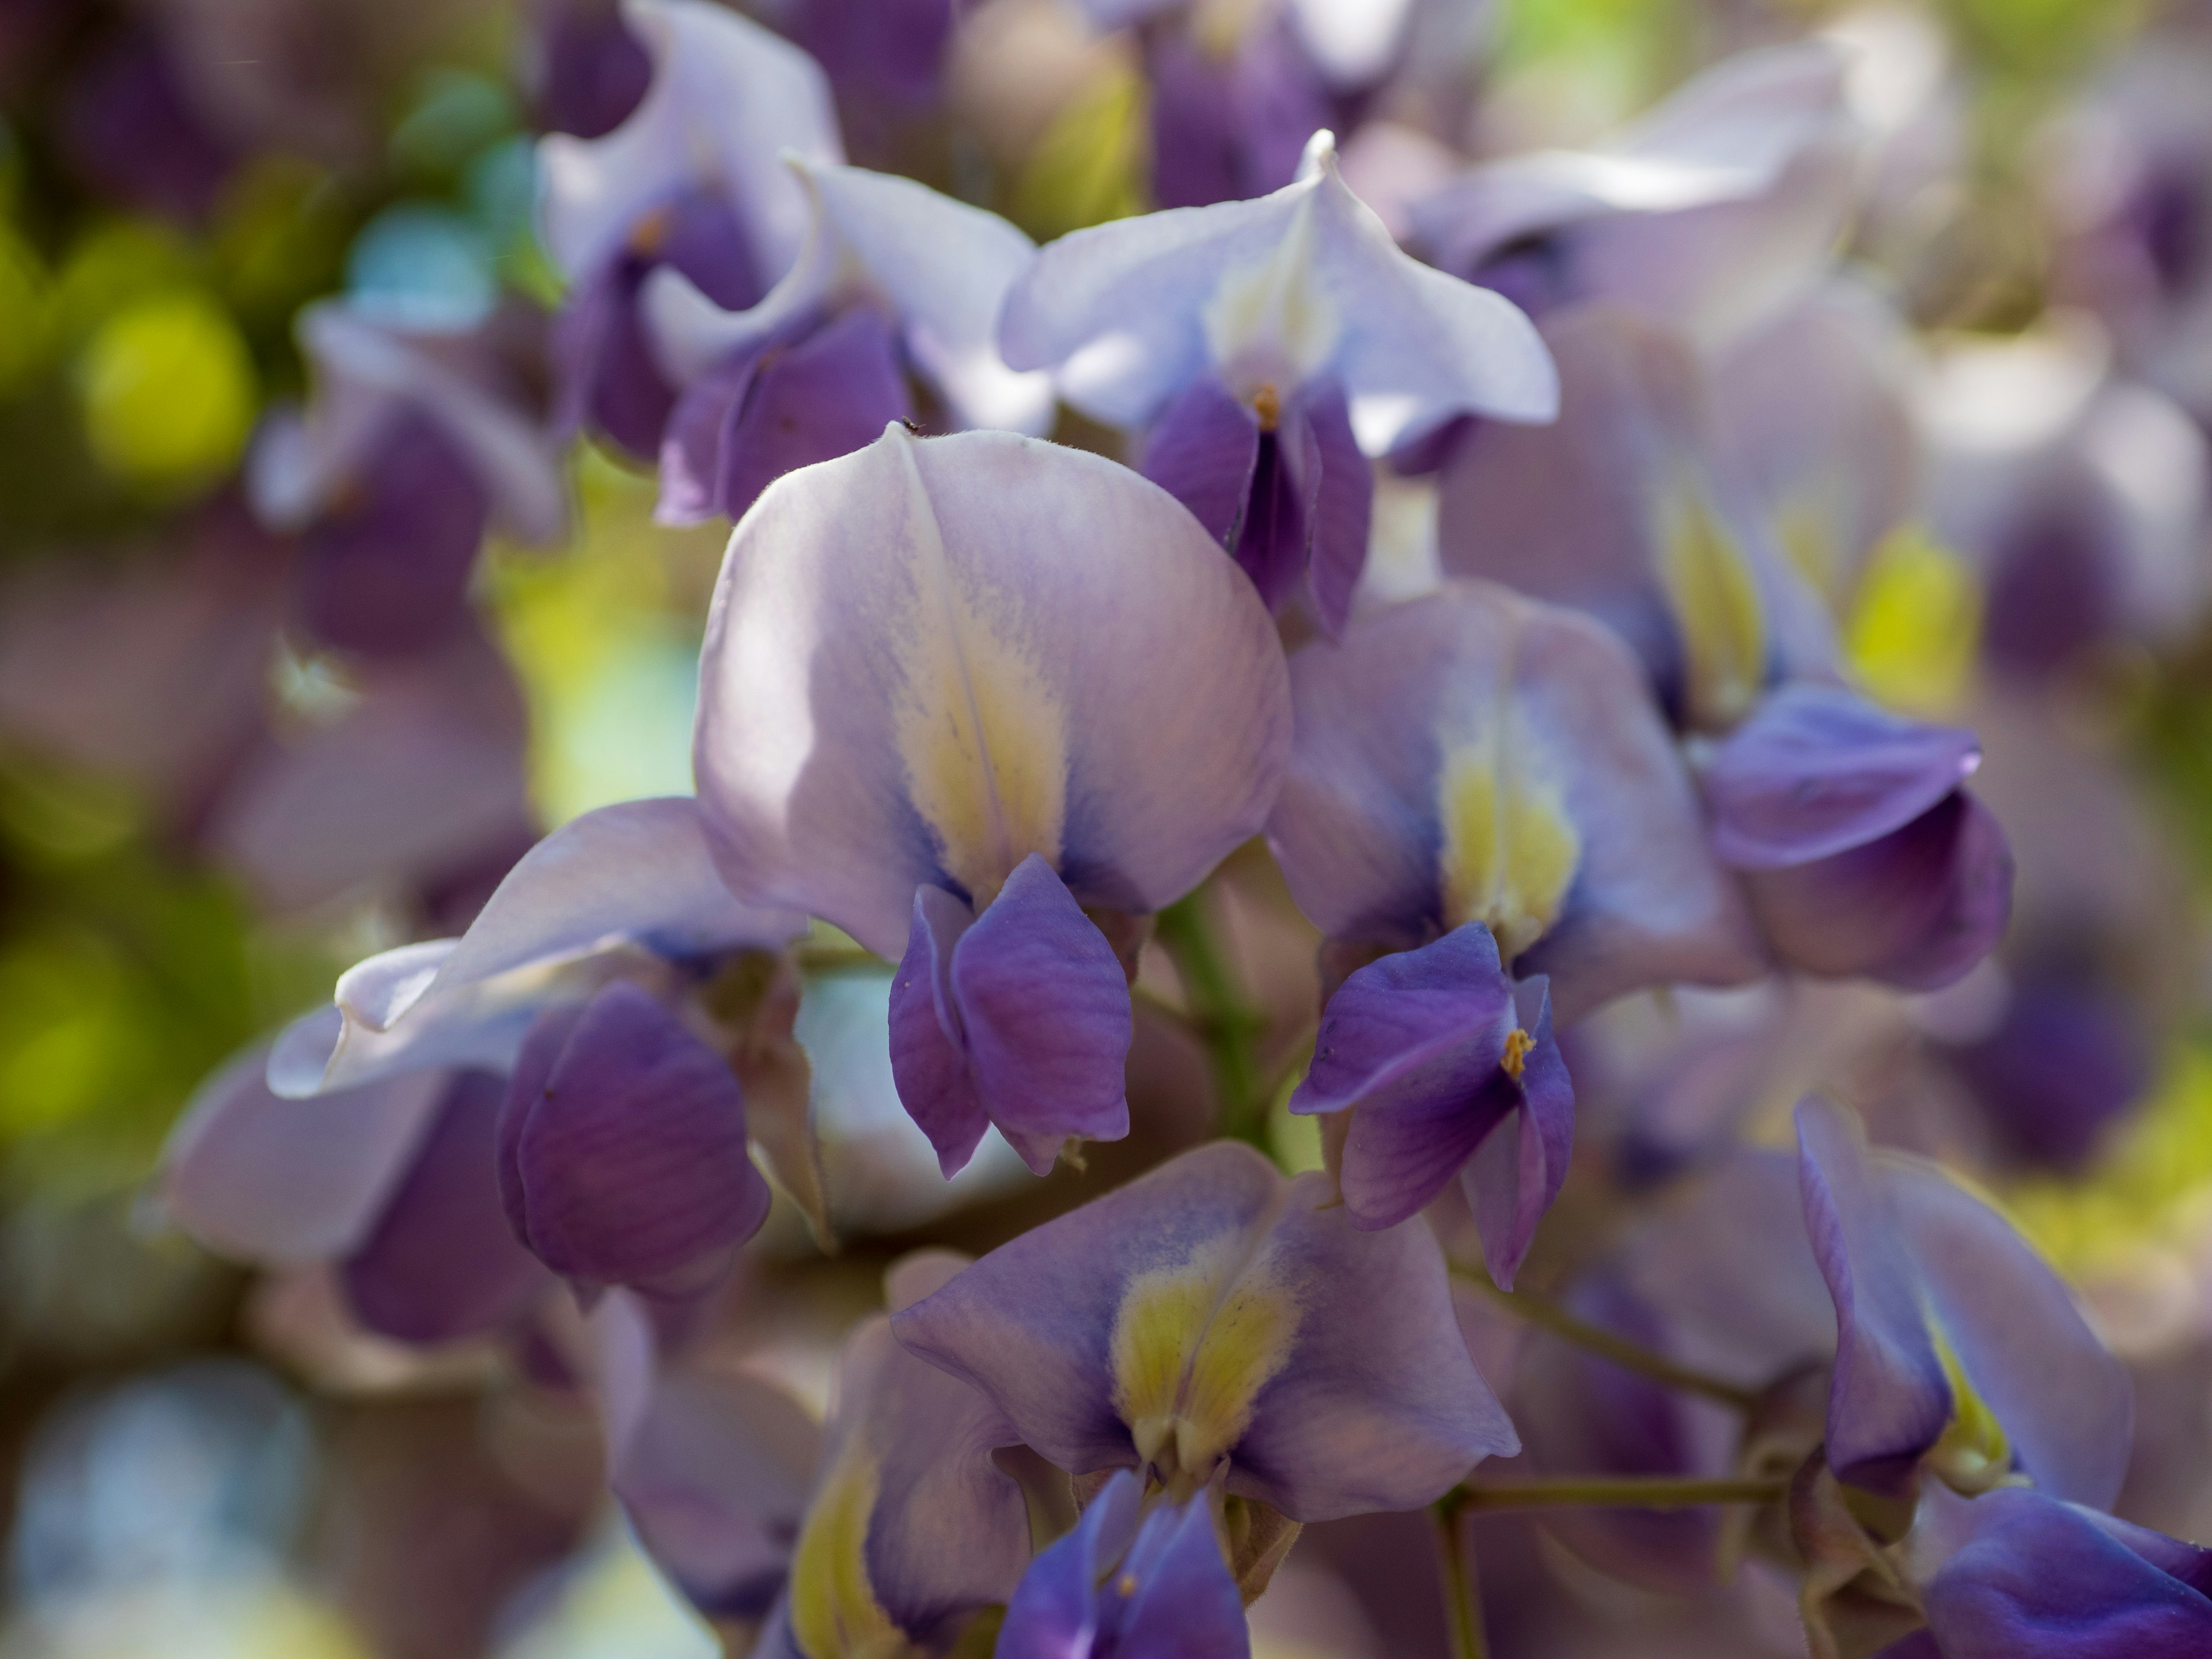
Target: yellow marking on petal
x,y
1271,321
834,1610
1515,1060
1127,1585
1193,1344
1715,600
1916,628
1974,1455
1510,851
981,730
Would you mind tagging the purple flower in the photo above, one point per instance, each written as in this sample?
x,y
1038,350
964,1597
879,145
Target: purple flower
x,y
1447,1068
1472,757
1212,1319
1861,852
1228,124
954,692
893,276
1129,1584
1269,348
693,179
411,447
1710,211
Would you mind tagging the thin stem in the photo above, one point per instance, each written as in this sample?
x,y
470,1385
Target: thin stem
x,y
1628,1492
1462,1598
1219,1015
1629,1356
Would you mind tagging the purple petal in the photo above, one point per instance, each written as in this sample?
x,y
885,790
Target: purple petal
x,y
623,1154
1357,1390
948,1531
1277,530
826,396
606,379
1711,208
696,436
1120,309
712,1467
390,577
1411,1043
1045,1007
1889,1400
1817,771
1343,505
127,122
1519,1168
580,906
727,98
1226,130
262,1179
2067,1061
590,71
440,1264
929,1045
1055,1611
2066,1405
930,659
2040,1579
1473,680
1917,908
1185,1605
1203,451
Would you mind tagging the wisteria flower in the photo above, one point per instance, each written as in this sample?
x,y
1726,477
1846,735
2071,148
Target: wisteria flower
x,y
954,692
1269,349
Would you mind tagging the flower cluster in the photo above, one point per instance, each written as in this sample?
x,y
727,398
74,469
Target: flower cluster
x,y
1425,664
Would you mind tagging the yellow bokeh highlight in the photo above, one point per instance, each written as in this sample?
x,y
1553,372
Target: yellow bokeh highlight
x,y
1092,163
22,304
167,391
1716,603
1913,633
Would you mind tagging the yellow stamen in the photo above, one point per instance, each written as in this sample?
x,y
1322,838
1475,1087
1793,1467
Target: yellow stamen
x,y
1127,1585
1518,1042
1267,404
650,233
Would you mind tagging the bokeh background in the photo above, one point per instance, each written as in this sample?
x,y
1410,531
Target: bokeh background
x,y
204,814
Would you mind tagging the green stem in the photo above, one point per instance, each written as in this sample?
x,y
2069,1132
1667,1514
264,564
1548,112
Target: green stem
x,y
1218,1013
1629,1356
1628,1492
1462,1599
836,959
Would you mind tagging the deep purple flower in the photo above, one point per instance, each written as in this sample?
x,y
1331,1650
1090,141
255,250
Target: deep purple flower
x,y
1448,1069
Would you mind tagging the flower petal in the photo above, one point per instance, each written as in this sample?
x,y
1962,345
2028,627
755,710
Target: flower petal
x,y
1624,509
1468,755
1917,908
913,1524
1343,506
440,1263
1818,770
2066,1405
625,883
1185,1605
1411,1043
1202,451
1056,1610
278,1181
1889,1401
2039,1579
1710,208
1521,1165
1044,1005
712,1467
1210,1309
622,1154
1131,311
928,1043
927,660
727,98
